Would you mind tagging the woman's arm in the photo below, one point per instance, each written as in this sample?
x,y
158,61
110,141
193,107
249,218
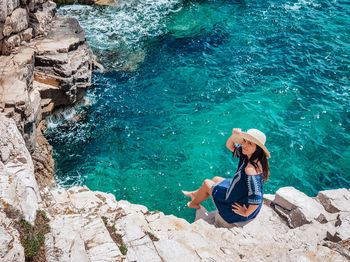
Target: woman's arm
x,y
230,143
243,210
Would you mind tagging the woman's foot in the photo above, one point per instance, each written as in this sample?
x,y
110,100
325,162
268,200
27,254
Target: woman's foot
x,y
190,204
188,194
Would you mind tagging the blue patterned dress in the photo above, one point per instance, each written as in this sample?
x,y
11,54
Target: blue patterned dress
x,y
242,189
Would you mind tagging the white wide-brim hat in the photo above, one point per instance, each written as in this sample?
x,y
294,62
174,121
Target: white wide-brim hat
x,y
255,136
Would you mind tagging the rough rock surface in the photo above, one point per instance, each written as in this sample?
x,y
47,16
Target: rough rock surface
x,y
342,228
80,237
18,187
153,236
22,20
15,92
42,158
335,200
53,70
41,17
10,244
62,63
298,208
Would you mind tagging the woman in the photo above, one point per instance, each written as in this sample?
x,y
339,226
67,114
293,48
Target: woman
x,y
238,199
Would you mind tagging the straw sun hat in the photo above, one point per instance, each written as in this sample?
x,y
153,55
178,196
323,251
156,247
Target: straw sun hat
x,y
255,136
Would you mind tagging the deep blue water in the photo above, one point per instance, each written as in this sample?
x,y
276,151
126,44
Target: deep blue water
x,y
179,75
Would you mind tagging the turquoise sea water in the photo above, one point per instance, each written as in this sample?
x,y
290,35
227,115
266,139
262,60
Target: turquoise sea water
x,y
179,75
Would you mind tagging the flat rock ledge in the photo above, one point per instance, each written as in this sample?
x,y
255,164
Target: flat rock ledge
x,y
79,218
93,226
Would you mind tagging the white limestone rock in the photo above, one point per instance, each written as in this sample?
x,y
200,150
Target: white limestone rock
x,y
172,251
26,34
169,223
17,72
132,208
7,27
342,229
19,20
81,236
81,200
17,183
40,19
313,254
11,5
9,44
269,198
140,246
335,200
10,244
3,11
63,61
267,226
268,235
301,208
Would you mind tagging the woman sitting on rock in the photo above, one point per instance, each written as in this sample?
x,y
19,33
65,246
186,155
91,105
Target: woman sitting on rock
x,y
240,198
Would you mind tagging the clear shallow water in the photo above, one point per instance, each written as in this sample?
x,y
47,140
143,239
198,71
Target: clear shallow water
x,y
180,75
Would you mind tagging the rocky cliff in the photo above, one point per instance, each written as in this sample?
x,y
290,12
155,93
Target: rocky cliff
x,y
46,65
92,226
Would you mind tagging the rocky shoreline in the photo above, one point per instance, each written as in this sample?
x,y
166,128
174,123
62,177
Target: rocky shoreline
x,y
86,225
46,65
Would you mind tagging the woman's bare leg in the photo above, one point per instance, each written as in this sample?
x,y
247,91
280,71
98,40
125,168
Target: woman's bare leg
x,y
201,194
218,179
191,194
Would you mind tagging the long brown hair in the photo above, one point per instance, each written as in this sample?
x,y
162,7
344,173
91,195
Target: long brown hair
x,y
260,156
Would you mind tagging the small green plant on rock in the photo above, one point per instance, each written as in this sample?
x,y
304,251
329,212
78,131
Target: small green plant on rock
x,y
31,246
122,247
33,237
104,219
152,236
27,227
148,213
117,238
43,214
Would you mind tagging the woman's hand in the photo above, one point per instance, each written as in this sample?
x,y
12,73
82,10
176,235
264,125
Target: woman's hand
x,y
240,210
243,210
236,131
230,144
